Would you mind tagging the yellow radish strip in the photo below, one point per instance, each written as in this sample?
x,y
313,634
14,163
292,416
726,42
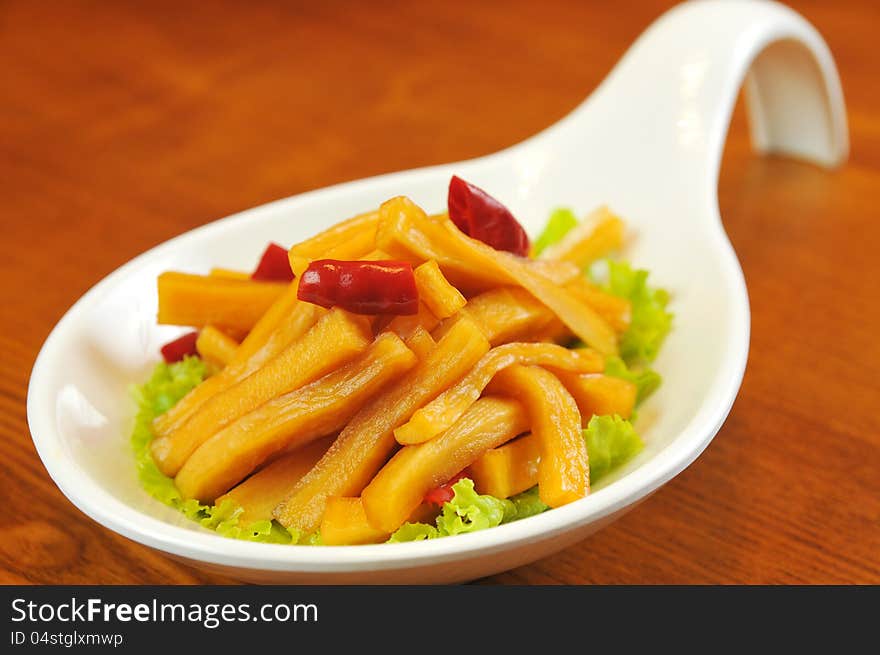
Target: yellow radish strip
x,y
564,468
292,420
349,240
600,394
285,322
508,470
421,342
443,411
335,339
405,229
616,311
345,524
439,296
366,442
504,314
403,482
215,346
405,326
200,300
258,495
599,234
230,274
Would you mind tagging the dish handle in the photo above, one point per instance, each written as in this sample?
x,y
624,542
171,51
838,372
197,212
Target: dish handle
x,y
668,102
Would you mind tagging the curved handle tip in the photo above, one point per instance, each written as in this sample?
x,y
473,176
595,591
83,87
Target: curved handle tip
x,y
795,103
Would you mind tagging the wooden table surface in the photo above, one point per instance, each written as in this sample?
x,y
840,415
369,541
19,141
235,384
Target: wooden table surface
x,y
124,124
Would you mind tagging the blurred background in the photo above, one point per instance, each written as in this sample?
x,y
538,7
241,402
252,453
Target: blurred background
x,y
127,123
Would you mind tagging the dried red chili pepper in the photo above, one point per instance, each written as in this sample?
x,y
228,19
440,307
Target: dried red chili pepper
x,y
480,216
176,350
361,287
444,493
274,265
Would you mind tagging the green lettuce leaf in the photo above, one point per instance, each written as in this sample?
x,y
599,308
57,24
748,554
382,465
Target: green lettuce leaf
x,y
559,224
468,511
414,532
167,385
650,322
611,441
528,503
647,380
224,519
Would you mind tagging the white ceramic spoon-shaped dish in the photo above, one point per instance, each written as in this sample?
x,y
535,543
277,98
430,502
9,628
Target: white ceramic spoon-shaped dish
x,y
648,142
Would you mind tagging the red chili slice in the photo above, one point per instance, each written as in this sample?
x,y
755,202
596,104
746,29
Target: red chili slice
x,y
480,216
363,287
274,265
444,493
176,350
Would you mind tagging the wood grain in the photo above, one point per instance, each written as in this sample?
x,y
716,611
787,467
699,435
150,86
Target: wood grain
x,y
124,124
